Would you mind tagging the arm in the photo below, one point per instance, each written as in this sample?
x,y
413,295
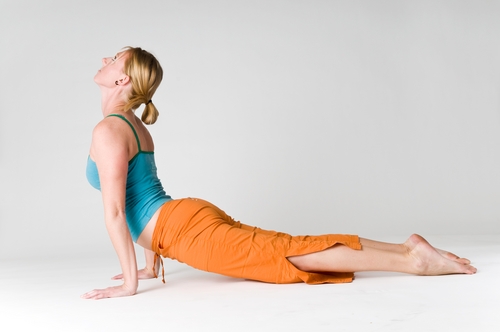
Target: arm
x,y
149,271
151,267
109,150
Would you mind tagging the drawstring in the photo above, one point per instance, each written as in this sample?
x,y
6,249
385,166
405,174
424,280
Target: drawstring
x,y
162,269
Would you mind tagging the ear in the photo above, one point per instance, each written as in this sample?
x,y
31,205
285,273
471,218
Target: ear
x,y
124,80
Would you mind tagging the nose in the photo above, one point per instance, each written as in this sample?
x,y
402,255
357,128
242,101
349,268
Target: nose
x,y
105,61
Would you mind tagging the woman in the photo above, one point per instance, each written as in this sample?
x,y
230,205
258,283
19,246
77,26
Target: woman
x,y
121,164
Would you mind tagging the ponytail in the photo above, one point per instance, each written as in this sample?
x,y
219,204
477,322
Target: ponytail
x,y
145,75
150,113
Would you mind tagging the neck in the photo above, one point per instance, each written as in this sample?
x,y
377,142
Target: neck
x,y
112,101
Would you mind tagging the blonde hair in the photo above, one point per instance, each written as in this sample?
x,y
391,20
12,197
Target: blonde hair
x,y
145,75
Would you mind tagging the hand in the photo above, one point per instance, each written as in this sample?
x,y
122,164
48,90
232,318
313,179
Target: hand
x,y
115,291
145,273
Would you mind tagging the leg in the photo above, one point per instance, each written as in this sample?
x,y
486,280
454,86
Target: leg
x,y
403,248
415,256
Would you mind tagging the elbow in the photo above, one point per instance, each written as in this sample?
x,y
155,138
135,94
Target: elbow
x,y
115,215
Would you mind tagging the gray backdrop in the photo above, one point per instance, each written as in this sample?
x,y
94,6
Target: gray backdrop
x,y
370,117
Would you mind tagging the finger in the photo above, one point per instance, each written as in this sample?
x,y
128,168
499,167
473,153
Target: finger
x,y
89,295
99,296
117,277
96,294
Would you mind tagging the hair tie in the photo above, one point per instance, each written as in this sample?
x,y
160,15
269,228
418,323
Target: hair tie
x,y
149,102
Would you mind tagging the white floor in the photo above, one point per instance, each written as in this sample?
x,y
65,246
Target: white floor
x,y
43,295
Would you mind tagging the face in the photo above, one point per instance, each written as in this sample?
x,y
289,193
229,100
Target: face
x,y
111,70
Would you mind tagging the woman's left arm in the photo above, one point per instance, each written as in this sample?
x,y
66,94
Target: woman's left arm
x,y
110,152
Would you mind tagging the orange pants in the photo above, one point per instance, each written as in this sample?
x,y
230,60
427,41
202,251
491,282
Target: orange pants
x,y
196,232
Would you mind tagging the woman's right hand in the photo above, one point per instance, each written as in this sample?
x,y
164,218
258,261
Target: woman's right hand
x,y
145,273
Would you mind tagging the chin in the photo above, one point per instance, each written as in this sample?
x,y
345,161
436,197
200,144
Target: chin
x,y
96,79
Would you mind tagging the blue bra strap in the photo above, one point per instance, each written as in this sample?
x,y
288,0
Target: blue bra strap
x,y
133,129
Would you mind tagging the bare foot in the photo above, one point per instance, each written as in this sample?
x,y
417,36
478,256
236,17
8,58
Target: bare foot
x,y
453,257
429,261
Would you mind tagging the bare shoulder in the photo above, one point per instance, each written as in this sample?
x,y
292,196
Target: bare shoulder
x,y
107,128
109,138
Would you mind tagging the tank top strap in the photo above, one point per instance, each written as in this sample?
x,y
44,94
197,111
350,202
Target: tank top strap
x,y
131,126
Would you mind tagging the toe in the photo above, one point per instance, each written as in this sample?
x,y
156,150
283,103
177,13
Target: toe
x,y
464,261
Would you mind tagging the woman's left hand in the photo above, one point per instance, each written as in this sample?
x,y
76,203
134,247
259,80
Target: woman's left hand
x,y
115,291
145,273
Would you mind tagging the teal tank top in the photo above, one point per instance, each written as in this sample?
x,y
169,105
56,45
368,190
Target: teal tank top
x,y
144,193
